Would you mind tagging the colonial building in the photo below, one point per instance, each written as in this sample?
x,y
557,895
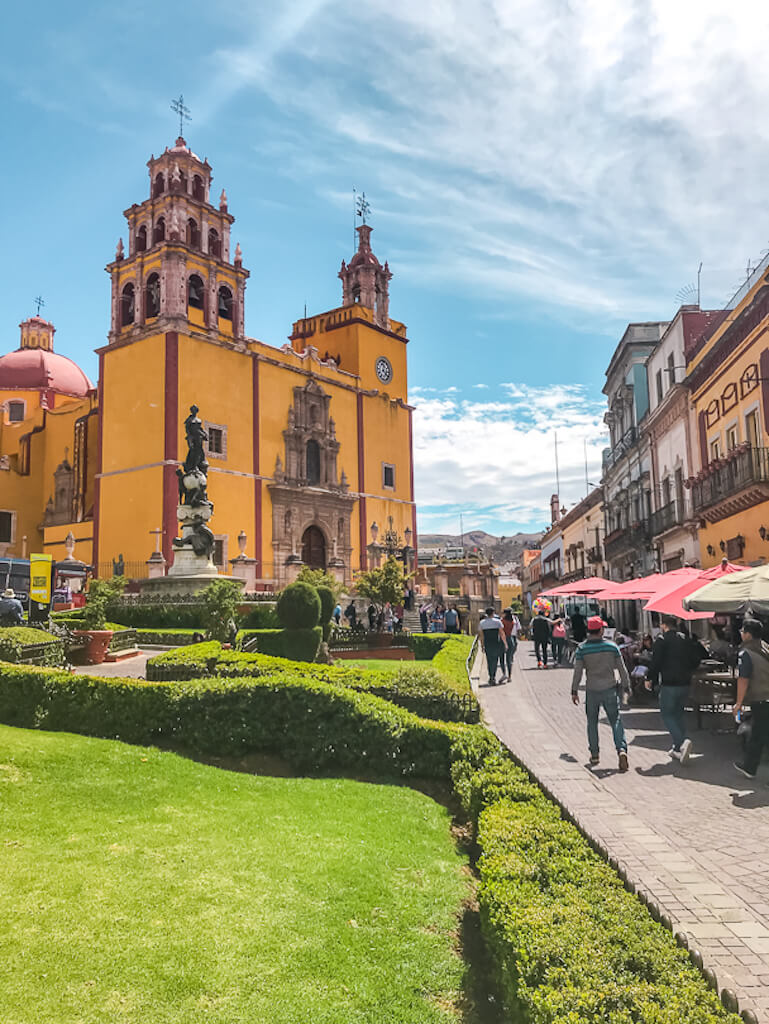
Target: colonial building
x,y
728,375
582,537
626,479
667,428
309,444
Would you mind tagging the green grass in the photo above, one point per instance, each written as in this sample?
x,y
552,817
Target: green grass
x,y
384,664
141,886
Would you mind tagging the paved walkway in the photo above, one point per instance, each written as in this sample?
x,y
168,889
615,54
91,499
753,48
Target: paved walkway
x,y
128,668
694,836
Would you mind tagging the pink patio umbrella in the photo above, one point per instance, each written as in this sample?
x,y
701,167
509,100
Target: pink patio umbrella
x,y
646,587
578,588
669,602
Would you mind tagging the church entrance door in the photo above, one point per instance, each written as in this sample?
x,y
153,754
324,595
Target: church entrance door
x,y
314,548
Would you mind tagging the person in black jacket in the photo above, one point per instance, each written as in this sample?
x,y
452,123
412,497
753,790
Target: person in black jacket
x,y
541,628
674,659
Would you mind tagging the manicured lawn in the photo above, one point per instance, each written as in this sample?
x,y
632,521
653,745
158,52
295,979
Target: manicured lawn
x,y
138,886
379,663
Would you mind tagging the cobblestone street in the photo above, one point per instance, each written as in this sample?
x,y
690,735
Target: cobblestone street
x,y
694,836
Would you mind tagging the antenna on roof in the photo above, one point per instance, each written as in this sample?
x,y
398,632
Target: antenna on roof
x,y
699,275
685,295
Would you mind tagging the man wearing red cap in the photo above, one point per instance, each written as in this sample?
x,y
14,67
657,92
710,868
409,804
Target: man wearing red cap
x,y
599,660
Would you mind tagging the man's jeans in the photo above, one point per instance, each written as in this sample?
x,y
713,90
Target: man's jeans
x,y
672,703
558,643
609,701
540,649
495,654
759,735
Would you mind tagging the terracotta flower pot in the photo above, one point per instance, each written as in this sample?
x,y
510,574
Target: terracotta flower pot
x,y
97,643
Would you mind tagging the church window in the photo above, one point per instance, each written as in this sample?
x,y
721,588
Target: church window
x,y
219,553
198,191
314,548
313,462
127,305
141,239
160,185
388,476
159,233
217,440
152,297
6,527
193,234
15,412
225,303
195,292
214,243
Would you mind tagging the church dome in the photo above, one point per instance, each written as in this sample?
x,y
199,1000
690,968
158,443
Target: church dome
x,y
34,369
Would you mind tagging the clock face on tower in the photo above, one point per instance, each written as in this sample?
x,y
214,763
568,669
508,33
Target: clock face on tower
x,y
384,370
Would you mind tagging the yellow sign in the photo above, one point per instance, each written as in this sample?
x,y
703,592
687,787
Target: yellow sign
x,y
40,573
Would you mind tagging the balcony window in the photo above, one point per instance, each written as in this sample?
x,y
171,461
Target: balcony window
x,y
715,449
732,437
751,428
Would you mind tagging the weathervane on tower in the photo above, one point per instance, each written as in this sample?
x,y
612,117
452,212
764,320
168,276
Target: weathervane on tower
x,y
39,301
179,108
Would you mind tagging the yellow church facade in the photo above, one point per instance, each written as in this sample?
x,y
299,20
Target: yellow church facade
x,y
309,444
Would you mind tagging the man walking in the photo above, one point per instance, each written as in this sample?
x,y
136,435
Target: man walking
x,y
599,660
753,689
494,644
540,632
674,659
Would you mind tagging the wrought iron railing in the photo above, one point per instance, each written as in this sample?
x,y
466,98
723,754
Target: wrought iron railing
x,y
667,517
622,447
738,470
594,554
634,536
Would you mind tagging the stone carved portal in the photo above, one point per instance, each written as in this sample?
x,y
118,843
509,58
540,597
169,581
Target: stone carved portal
x,y
311,506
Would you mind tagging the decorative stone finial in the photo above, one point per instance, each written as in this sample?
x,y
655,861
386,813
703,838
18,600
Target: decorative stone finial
x,y
223,201
238,255
69,544
119,251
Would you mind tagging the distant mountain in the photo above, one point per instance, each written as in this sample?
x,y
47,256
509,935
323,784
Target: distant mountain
x,y
499,549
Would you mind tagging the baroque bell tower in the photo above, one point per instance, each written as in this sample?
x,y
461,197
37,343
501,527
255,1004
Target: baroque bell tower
x,y
177,273
365,281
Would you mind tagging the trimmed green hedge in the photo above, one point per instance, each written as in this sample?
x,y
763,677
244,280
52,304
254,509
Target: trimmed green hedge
x,y
312,724
259,616
572,944
426,645
165,637
418,688
451,661
34,646
268,641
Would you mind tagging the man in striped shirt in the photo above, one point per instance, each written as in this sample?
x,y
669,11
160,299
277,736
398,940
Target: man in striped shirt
x,y
599,660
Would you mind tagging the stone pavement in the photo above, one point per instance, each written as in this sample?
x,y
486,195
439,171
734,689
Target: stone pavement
x,y
129,668
695,837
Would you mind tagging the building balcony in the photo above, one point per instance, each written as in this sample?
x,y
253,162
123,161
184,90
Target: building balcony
x,y
633,537
621,448
730,485
594,555
674,514
551,579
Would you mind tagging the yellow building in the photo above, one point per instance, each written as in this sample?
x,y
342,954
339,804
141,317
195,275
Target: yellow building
x,y
48,430
309,444
728,377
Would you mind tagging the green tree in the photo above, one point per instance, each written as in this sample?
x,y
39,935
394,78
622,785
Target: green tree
x,y
220,604
321,578
101,594
383,584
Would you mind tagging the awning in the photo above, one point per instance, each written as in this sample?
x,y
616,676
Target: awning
x,y
645,587
578,588
733,593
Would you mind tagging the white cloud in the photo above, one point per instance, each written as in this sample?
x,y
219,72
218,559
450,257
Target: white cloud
x,y
495,461
584,156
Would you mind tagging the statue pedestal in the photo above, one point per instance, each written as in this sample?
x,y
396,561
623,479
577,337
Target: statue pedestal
x,y
245,569
156,565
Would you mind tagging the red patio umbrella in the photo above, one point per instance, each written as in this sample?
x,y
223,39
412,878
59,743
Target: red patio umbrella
x,y
645,587
669,601
578,588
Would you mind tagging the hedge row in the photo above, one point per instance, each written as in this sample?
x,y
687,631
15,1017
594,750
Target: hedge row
x,y
24,643
165,637
314,725
426,645
418,688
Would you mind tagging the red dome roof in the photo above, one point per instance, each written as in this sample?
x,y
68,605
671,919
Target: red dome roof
x,y
32,369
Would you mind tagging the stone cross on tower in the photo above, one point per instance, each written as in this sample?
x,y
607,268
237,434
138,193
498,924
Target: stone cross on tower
x,y
179,108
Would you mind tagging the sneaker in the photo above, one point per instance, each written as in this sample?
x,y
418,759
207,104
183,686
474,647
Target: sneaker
x,y
675,754
539,664
744,771
594,759
623,765
686,749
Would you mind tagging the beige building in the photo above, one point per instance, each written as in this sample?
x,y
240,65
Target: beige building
x,y
582,537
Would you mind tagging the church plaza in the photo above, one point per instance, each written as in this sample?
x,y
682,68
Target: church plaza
x,y
694,838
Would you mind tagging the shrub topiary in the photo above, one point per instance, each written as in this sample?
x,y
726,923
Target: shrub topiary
x,y
327,603
301,644
299,606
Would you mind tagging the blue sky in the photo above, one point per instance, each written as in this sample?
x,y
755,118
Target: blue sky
x,y
539,175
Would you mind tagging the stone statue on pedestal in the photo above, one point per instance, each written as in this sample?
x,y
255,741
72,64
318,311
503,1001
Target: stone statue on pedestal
x,y
194,507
